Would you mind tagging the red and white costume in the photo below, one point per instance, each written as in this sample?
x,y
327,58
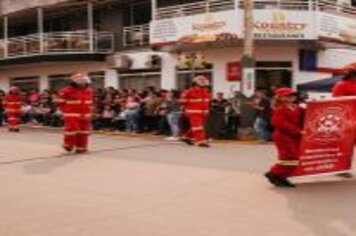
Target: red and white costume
x,y
12,105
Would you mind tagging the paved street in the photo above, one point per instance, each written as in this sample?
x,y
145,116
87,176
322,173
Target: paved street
x,y
133,186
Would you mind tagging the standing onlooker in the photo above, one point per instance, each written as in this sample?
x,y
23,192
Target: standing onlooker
x,y
132,111
217,119
174,113
151,105
263,108
234,112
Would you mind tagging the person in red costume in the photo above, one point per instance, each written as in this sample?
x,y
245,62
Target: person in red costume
x,y
196,103
75,102
347,86
12,105
286,120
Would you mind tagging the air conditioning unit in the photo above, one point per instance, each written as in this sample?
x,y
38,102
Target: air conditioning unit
x,y
154,61
119,61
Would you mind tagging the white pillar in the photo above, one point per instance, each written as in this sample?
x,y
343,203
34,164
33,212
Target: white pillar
x,y
153,9
40,25
168,73
91,25
111,78
43,82
6,36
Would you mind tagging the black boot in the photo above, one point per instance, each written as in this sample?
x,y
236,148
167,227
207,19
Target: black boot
x,y
187,141
279,181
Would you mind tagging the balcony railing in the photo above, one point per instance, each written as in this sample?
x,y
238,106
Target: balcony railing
x,y
223,5
136,35
194,8
57,43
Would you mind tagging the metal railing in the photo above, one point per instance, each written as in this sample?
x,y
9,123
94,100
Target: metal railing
x,y
194,8
202,7
57,43
136,35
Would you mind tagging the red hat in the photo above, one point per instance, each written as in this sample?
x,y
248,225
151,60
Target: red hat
x,y
201,80
80,79
282,92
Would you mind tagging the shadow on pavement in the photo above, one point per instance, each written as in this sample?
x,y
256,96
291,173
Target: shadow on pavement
x,y
326,208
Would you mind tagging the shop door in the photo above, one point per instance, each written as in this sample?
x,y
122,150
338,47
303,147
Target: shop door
x,y
272,74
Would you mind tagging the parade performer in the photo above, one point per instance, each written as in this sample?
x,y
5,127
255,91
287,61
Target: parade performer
x,y
347,86
75,102
12,105
286,120
196,102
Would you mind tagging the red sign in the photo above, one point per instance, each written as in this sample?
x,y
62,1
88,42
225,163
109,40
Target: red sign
x,y
234,72
328,143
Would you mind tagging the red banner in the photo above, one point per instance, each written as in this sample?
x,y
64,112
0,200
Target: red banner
x,y
328,143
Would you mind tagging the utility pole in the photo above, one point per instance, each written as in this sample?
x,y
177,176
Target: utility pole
x,y
248,60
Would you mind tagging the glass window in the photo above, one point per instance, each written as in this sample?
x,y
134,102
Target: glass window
x,y
185,78
56,82
26,83
97,79
140,81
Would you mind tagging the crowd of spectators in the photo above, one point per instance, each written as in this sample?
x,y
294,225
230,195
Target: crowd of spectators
x,y
156,111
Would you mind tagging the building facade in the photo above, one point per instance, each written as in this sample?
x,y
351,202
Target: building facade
x,y
165,43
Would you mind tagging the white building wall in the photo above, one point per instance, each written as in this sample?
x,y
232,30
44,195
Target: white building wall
x,y
44,70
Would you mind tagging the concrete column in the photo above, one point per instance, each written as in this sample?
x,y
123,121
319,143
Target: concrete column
x,y
90,10
6,36
168,73
40,25
43,82
111,78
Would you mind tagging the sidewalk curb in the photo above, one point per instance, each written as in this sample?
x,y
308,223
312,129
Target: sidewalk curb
x,y
145,135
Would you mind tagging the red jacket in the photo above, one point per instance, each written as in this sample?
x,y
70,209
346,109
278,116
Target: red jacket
x,y
12,103
345,88
76,103
196,100
287,122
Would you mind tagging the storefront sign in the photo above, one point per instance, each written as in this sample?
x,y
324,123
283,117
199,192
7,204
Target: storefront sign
x,y
233,71
335,27
328,143
279,24
209,27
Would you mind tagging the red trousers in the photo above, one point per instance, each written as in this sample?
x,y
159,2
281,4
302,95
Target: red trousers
x,y
13,120
76,133
196,131
288,155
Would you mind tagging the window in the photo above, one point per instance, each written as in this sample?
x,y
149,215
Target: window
x,y
56,82
185,77
140,81
97,79
26,83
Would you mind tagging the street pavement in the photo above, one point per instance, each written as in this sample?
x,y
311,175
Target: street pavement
x,y
142,186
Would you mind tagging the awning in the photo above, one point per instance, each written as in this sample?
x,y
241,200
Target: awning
x,y
323,85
